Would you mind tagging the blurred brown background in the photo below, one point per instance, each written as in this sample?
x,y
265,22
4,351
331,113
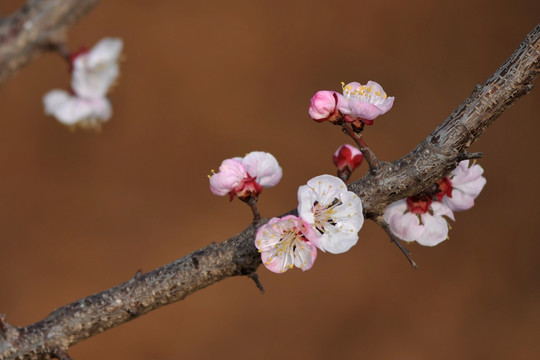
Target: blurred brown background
x,y
206,80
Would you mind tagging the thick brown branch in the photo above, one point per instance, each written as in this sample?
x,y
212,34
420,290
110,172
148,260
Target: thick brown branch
x,y
33,28
429,161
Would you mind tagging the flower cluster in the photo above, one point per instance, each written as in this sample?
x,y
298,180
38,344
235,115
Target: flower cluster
x,y
245,177
359,103
420,218
93,73
329,218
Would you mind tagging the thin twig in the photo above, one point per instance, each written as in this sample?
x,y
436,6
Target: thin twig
x,y
253,276
393,238
374,163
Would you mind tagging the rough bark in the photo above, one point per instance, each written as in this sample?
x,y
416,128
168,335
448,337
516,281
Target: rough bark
x,y
34,28
432,159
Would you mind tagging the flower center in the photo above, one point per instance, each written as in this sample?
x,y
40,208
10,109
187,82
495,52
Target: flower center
x,y
291,241
324,214
419,204
363,93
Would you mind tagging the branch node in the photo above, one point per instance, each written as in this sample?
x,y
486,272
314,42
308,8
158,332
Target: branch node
x,y
60,354
3,326
468,156
253,276
138,275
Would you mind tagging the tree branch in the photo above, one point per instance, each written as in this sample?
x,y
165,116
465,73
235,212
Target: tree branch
x,y
34,28
431,160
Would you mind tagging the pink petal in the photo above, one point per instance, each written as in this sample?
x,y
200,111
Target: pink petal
x,y
441,209
343,104
364,110
406,226
230,175
322,105
459,201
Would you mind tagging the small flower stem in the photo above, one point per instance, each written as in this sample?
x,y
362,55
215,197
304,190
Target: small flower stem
x,y
60,48
393,238
344,174
369,155
252,202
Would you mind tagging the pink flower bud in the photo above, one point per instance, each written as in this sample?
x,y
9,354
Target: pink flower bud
x,y
328,105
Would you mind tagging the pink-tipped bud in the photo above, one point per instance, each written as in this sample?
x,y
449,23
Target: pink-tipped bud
x,y
347,158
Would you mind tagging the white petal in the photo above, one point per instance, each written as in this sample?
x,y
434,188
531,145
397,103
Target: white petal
x,y
435,230
95,72
70,109
468,179
459,201
337,240
397,208
105,51
350,212
264,167
441,209
327,188
306,199
406,226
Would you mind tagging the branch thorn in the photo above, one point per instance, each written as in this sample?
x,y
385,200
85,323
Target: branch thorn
x,y
468,156
60,354
253,276
3,326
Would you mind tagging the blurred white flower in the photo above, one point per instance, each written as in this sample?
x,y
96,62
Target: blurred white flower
x,y
93,73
